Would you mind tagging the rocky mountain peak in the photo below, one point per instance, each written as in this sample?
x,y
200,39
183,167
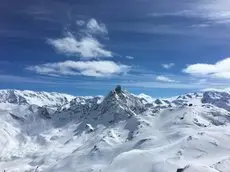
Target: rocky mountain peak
x,y
218,99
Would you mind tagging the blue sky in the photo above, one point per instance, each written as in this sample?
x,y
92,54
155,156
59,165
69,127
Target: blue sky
x,y
85,47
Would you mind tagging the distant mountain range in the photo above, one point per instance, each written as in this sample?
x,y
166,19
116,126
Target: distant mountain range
x,y
121,132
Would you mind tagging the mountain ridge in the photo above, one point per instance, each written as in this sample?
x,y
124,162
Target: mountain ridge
x,y
117,132
39,97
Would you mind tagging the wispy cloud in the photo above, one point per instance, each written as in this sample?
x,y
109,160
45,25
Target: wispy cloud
x,y
85,45
175,13
225,89
168,66
218,70
102,83
164,79
163,85
5,78
207,10
94,27
200,19
129,57
85,68
216,11
80,22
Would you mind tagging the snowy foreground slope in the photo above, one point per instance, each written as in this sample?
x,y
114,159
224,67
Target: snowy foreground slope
x,y
120,132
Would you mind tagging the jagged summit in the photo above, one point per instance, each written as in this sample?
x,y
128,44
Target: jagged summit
x,y
118,105
122,98
118,89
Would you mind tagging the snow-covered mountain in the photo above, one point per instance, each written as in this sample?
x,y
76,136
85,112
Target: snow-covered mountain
x,y
36,98
120,132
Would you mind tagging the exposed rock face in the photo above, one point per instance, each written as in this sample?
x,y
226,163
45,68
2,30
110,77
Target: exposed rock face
x,y
11,96
158,101
118,89
219,99
43,112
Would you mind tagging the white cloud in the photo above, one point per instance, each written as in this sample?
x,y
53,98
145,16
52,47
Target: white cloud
x,y
80,22
164,79
202,81
220,69
129,57
93,27
170,85
168,66
175,13
210,11
224,89
217,11
85,68
217,14
86,47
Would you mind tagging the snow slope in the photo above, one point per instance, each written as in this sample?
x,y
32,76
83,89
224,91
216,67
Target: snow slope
x,y
36,98
120,132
